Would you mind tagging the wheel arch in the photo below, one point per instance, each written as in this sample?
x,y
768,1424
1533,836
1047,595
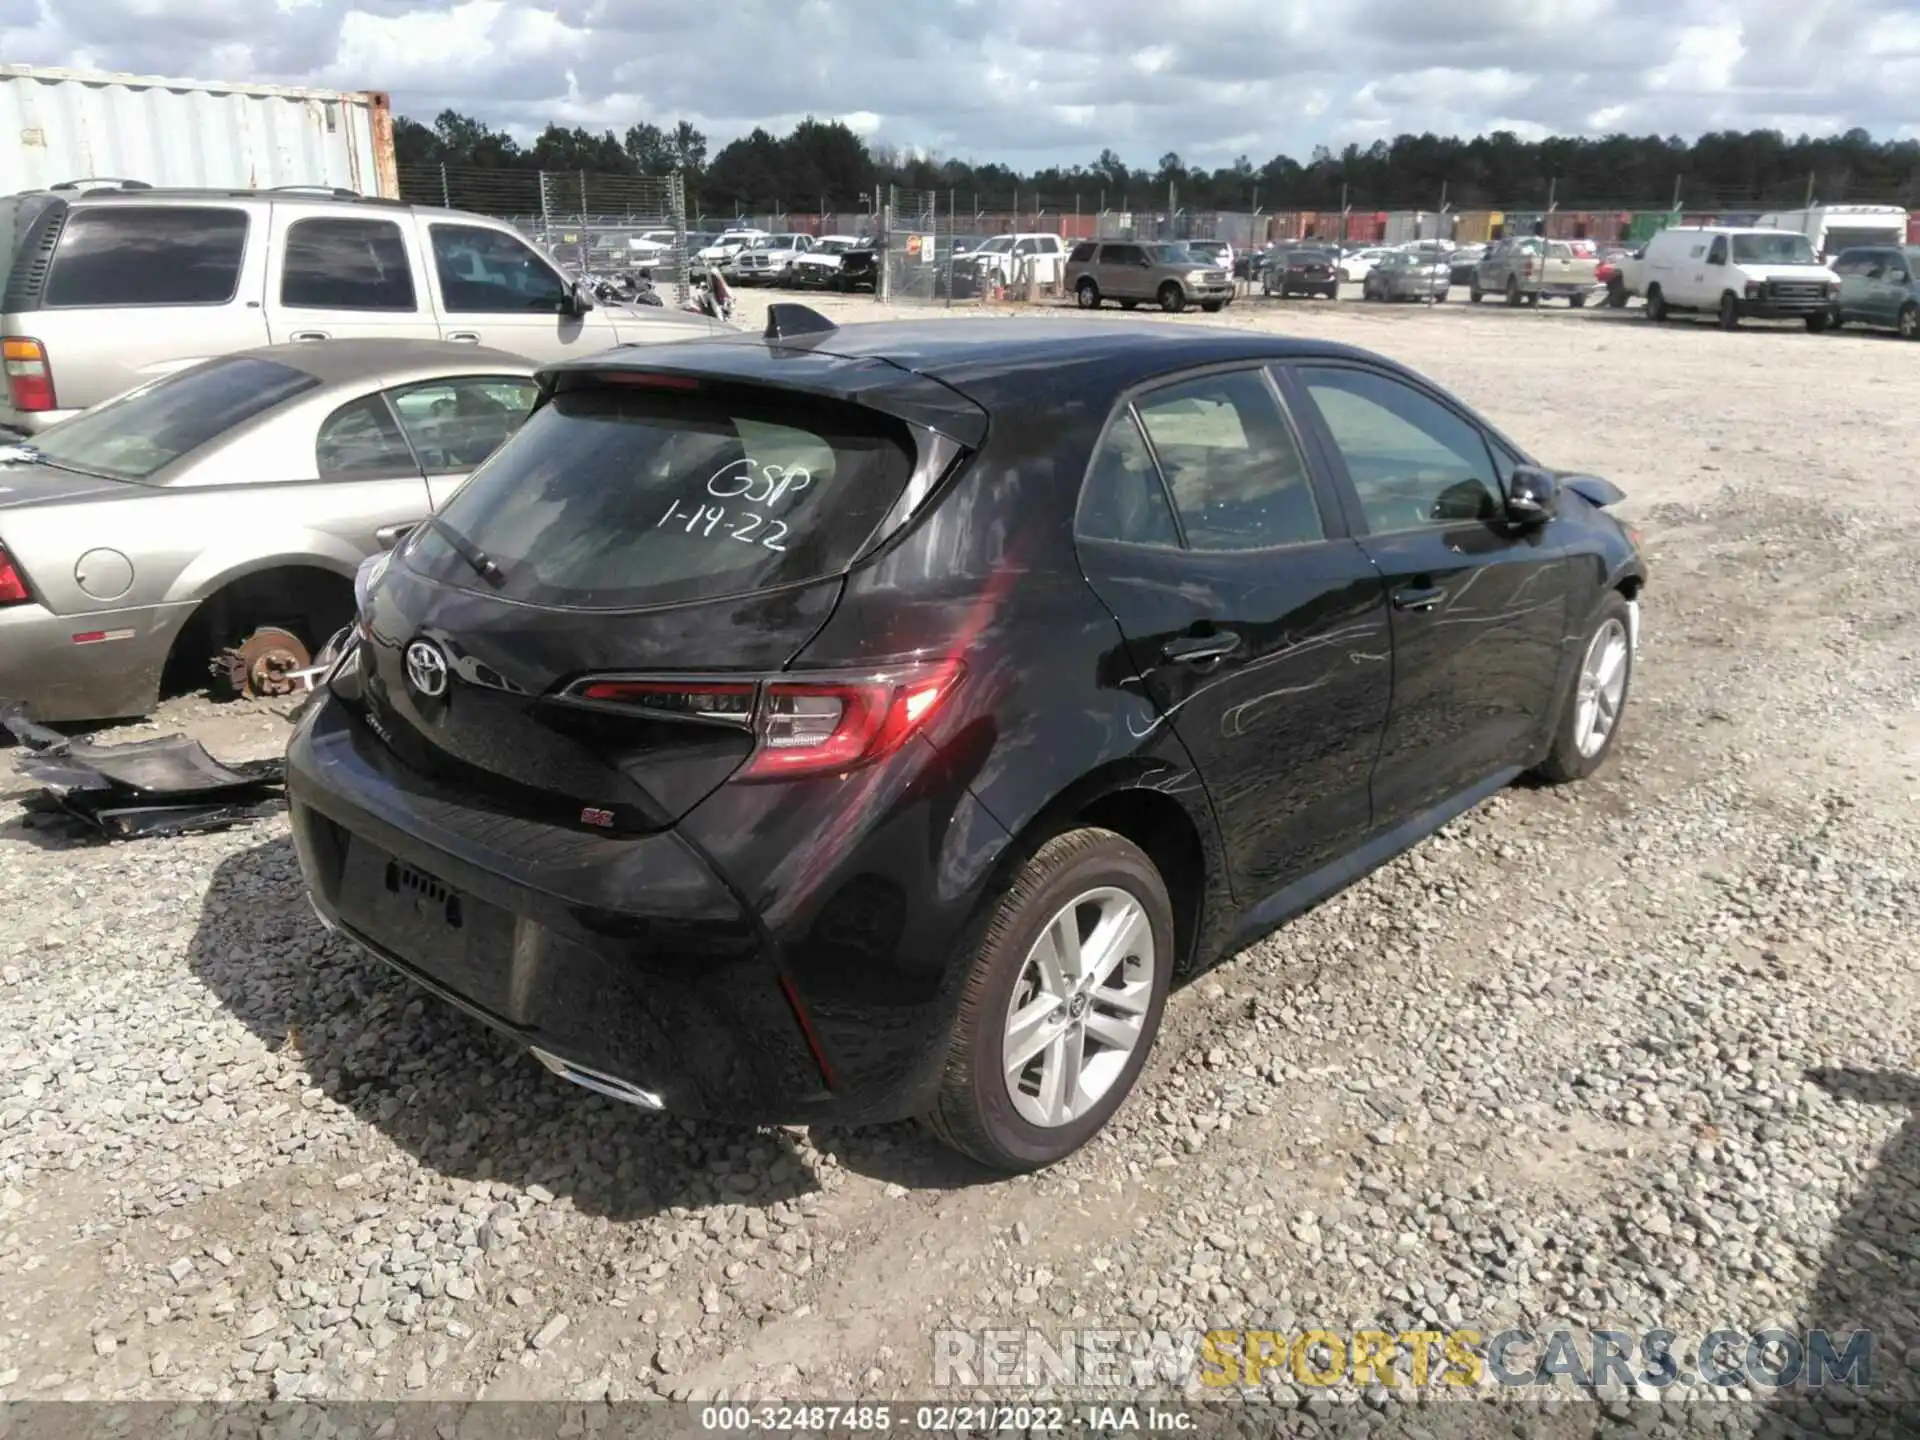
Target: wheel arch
x,y
309,589
1162,809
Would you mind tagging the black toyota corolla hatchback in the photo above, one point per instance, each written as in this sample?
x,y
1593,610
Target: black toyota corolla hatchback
x,y
853,724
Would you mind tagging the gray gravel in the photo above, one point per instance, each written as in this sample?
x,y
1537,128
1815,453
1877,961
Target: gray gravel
x,y
1635,1054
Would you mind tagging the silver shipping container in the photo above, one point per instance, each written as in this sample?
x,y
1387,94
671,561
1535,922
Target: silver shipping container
x,y
61,125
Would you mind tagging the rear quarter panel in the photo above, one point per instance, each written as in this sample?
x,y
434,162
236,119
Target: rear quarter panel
x,y
1047,717
184,544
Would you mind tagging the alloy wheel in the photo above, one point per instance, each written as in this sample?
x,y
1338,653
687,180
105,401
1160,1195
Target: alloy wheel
x,y
1079,1007
1602,688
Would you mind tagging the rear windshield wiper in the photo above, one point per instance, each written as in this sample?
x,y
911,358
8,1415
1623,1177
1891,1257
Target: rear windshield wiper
x,y
24,454
481,562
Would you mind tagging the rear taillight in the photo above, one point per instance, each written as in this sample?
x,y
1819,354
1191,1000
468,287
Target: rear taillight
x,y
812,724
13,585
29,377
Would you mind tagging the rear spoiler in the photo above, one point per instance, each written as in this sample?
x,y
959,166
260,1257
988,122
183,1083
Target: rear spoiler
x,y
801,363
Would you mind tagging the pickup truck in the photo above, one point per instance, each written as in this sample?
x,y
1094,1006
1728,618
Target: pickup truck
x,y
1518,270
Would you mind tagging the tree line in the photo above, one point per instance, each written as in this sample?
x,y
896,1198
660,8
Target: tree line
x,y
823,165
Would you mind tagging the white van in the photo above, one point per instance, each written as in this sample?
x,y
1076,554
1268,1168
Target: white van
x,y
1737,274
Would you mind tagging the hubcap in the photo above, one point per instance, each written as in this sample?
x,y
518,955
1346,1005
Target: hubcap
x,y
1910,323
1079,1007
1603,688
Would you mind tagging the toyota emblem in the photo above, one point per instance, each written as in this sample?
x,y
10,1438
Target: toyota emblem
x,y
427,669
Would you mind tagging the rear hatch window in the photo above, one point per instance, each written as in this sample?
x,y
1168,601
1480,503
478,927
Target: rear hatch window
x,y
140,433
621,497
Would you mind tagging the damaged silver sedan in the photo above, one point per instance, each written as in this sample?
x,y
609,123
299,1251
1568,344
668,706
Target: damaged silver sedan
x,y
208,525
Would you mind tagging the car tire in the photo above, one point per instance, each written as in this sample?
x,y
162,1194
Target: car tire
x,y
1088,294
1474,293
1578,302
975,1111
1172,298
1513,292
1656,305
1818,322
1729,311
1616,296
1212,307
1909,322
1575,753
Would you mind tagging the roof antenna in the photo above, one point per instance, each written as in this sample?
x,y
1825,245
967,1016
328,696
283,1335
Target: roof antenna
x,y
785,320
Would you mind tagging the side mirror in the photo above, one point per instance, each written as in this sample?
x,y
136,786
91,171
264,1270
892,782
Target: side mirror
x,y
577,301
1533,496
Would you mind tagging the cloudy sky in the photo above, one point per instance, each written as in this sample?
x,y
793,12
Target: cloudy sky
x,y
1034,82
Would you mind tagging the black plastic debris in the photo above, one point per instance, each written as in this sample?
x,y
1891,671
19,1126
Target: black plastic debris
x,y
168,786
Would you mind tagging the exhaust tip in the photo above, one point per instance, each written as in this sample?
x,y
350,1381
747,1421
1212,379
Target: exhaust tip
x,y
611,1086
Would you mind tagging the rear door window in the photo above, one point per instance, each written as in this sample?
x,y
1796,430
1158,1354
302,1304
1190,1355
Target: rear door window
x,y
148,255
1237,475
360,441
615,497
455,424
342,264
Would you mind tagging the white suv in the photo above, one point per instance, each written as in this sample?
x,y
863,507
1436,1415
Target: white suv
x,y
1737,274
1010,259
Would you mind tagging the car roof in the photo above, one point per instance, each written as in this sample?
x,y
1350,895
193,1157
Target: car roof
x,y
970,354
337,362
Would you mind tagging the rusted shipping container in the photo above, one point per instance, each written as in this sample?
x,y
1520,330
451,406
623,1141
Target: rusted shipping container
x,y
1078,227
60,125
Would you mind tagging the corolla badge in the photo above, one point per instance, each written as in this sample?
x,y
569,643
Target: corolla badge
x,y
427,669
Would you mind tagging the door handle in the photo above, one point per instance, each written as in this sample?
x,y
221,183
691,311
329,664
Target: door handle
x,y
1200,649
465,337
391,535
310,335
1418,598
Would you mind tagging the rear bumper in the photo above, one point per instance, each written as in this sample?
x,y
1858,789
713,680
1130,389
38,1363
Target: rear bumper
x,y
629,958
105,679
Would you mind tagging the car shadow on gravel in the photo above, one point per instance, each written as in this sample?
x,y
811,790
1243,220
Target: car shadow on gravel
x,y
1870,1277
467,1102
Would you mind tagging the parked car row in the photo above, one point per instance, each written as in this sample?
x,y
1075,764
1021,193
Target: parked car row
x,y
1738,273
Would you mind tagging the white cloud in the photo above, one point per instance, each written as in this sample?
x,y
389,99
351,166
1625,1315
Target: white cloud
x,y
1033,82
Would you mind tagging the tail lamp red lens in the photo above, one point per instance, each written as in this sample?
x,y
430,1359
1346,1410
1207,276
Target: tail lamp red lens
x,y
804,725
13,585
29,376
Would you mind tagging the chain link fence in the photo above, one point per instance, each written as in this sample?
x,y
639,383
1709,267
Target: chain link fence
x,y
916,246
590,223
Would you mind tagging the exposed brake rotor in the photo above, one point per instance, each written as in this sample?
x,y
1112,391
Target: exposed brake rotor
x,y
263,664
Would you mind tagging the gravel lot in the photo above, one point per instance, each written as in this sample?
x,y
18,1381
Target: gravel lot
x,y
1639,1053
